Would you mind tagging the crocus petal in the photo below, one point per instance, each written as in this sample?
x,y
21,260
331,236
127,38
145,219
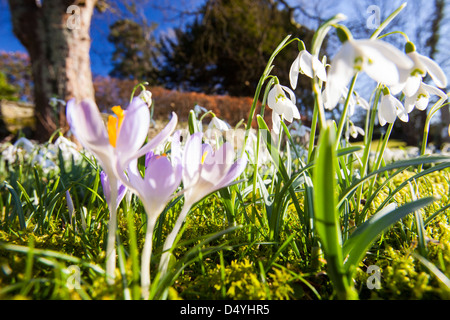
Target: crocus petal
x,y
435,71
134,129
235,171
153,143
161,181
121,189
192,158
87,125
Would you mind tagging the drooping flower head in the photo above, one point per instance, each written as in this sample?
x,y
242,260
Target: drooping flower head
x,y
281,105
306,64
422,66
380,60
391,108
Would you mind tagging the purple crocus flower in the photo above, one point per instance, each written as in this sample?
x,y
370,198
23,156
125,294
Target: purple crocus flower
x,y
115,146
155,189
204,172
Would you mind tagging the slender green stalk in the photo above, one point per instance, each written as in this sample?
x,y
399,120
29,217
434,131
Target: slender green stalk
x,y
380,156
261,81
437,106
133,251
388,20
343,119
312,135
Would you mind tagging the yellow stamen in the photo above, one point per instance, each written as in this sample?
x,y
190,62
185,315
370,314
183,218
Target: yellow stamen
x,y
204,156
114,124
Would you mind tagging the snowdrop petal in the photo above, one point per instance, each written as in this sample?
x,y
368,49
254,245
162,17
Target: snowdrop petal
x,y
412,85
276,125
192,158
384,61
434,90
339,75
388,108
293,72
434,71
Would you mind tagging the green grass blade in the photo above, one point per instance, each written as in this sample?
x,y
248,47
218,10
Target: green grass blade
x,y
17,205
362,238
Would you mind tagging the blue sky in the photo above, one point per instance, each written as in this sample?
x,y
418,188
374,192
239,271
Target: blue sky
x,y
101,49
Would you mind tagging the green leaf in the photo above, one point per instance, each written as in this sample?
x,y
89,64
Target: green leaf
x,y
326,214
17,204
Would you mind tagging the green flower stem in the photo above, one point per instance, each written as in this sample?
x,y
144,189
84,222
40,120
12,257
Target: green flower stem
x,y
133,251
345,111
370,124
380,155
263,78
426,130
388,20
312,135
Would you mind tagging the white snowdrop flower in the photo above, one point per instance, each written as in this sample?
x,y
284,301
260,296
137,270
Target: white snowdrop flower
x,y
146,96
355,100
308,65
422,66
25,144
199,109
355,131
380,60
281,105
299,130
218,124
68,149
391,108
421,98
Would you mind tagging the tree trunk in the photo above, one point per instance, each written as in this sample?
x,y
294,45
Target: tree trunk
x,y
57,39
